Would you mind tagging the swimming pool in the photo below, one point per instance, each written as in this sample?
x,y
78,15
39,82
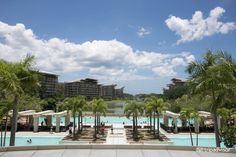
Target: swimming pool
x,y
185,141
111,120
180,141
22,141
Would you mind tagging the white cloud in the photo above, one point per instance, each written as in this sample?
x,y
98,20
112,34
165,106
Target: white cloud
x,y
164,71
143,32
107,60
197,28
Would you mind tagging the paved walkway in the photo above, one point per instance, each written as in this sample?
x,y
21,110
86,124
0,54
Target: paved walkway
x,y
118,136
112,153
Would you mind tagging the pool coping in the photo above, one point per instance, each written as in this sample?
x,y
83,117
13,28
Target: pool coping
x,y
123,146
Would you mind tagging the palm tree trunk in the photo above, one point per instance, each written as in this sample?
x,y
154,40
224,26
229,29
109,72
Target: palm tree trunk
x,y
191,137
81,128
5,132
78,123
95,127
14,121
158,128
133,126
216,129
136,119
154,124
196,138
73,125
150,121
97,123
1,135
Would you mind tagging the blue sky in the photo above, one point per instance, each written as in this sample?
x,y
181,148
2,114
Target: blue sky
x,y
137,44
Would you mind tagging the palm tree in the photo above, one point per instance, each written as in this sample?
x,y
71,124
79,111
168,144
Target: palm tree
x,y
157,105
75,104
17,78
214,76
225,114
197,119
149,112
99,107
187,114
134,109
5,107
82,106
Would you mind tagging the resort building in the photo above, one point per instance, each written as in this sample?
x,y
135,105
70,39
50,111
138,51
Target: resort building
x,y
108,91
175,83
87,87
176,89
119,92
49,82
90,88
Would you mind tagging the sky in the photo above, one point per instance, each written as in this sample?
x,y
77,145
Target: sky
x,y
138,44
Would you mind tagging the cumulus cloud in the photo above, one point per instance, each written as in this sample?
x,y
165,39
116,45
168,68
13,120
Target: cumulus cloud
x,y
106,60
197,28
143,32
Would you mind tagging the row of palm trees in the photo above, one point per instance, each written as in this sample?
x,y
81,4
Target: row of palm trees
x,y
152,107
77,105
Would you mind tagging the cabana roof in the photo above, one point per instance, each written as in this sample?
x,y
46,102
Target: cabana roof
x,y
42,113
176,115
62,113
204,114
171,114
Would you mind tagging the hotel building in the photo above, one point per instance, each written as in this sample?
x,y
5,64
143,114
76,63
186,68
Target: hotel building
x,y
49,82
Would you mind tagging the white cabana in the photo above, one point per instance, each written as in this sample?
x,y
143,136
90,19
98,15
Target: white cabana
x,y
58,119
173,115
49,114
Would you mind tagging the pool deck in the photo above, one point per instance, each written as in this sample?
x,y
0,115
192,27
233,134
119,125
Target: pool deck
x,y
118,136
110,151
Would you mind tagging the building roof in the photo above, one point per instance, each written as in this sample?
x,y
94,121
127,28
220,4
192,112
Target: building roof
x,y
49,73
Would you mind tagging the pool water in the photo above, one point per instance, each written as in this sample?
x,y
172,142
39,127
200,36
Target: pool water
x,y
207,142
22,141
111,120
183,141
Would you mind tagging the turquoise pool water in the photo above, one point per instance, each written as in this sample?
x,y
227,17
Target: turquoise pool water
x,y
185,141
22,141
111,120
207,142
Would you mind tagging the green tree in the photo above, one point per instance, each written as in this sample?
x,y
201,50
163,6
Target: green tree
x,y
98,107
75,104
188,114
195,115
5,107
134,109
228,135
228,131
83,105
17,79
214,76
157,105
27,102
